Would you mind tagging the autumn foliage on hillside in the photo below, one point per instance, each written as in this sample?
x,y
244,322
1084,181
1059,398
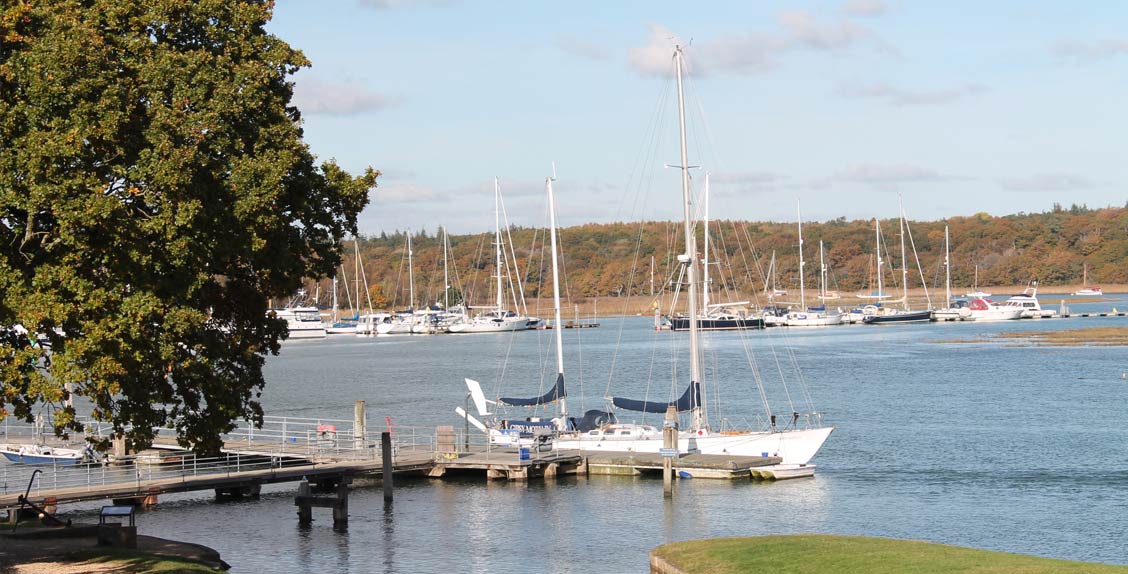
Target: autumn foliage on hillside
x,y
604,260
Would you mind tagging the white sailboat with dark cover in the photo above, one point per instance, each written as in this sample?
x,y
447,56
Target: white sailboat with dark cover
x,y
795,441
905,314
716,316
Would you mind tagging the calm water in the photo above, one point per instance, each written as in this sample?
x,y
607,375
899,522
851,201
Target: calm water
x,y
1016,449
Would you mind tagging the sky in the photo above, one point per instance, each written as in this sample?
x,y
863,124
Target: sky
x,y
960,106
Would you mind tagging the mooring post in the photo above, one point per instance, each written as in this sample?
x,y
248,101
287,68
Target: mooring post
x,y
360,425
341,508
305,510
386,457
669,443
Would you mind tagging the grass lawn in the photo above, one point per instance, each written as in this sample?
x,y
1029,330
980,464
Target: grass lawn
x,y
818,554
123,561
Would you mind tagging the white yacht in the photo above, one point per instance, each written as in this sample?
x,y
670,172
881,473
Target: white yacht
x,y
984,310
303,322
1028,303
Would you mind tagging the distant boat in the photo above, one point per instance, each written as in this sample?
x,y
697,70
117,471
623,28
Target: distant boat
x,y
904,315
975,286
498,319
303,321
40,454
403,321
715,316
1086,289
950,312
1028,303
984,310
811,316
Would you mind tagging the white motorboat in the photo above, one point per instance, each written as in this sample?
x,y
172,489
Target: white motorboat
x,y
43,454
303,321
984,310
1028,303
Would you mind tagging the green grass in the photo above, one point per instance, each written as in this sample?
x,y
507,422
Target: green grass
x,y
126,561
818,554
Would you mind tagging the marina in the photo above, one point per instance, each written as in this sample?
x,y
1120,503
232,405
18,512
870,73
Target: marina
x,y
910,457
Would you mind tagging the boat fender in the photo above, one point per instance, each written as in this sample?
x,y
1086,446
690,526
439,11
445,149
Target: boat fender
x,y
700,432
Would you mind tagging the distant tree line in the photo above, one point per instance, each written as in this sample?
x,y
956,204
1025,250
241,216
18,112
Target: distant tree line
x,y
607,260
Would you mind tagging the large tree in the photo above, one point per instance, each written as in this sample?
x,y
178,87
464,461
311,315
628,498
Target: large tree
x,y
155,192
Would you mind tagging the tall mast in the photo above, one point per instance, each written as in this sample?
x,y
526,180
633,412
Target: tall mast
x,y
410,275
822,273
691,251
771,278
446,275
877,246
904,260
335,304
497,239
947,273
705,278
802,264
559,325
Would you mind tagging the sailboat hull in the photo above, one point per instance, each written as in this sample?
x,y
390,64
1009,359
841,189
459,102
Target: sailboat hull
x,y
705,324
908,317
489,326
792,446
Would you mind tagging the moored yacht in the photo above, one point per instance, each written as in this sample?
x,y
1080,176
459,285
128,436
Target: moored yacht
x,y
1028,303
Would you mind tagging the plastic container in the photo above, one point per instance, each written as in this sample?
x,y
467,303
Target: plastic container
x,y
523,453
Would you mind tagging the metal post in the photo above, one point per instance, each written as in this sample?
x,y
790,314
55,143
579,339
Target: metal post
x,y
386,453
466,431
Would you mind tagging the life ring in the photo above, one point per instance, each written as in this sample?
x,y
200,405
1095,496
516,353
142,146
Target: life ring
x,y
327,432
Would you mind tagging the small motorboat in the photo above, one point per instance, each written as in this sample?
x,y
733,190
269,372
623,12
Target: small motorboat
x,y
42,454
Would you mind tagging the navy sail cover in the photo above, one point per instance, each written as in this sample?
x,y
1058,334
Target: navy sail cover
x,y
554,394
688,401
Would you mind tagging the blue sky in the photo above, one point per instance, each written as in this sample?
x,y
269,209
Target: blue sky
x,y
961,106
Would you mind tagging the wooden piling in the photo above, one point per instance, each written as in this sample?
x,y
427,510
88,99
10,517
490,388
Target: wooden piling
x,y
360,425
386,454
669,440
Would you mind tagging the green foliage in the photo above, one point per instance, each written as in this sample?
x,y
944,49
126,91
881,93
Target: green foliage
x,y
601,259
154,193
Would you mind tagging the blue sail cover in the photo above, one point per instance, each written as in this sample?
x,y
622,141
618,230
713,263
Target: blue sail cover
x,y
688,401
554,394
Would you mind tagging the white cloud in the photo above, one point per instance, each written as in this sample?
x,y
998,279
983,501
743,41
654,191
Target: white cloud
x,y
1097,50
900,97
402,193
398,4
752,52
313,96
892,174
864,8
1055,182
582,48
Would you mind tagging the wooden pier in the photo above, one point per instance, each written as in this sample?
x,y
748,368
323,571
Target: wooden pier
x,y
685,466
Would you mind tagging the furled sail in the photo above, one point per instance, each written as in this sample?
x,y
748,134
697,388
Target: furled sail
x,y
688,401
554,394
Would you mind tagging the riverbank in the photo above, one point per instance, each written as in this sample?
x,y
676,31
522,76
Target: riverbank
x,y
816,554
75,550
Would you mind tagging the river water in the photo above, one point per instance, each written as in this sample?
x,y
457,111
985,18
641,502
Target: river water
x,y
1011,448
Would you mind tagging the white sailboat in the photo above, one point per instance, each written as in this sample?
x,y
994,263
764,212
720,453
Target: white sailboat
x,y
810,316
1086,289
975,292
949,312
498,319
794,443
439,319
716,316
527,431
402,323
905,314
